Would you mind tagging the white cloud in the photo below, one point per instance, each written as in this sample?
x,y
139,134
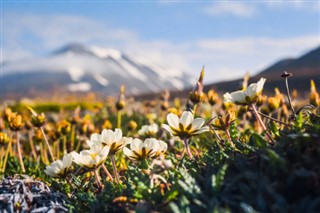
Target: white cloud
x,y
233,57
250,9
305,5
223,58
241,9
21,32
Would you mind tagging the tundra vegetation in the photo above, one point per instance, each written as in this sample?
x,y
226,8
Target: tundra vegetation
x,y
240,152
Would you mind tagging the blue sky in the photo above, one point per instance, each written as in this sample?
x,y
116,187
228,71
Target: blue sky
x,y
228,37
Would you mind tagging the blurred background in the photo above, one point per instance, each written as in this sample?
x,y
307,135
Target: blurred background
x,y
55,47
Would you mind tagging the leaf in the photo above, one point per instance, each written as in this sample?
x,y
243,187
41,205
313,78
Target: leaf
x,y
274,129
233,131
174,207
275,159
217,180
247,208
258,141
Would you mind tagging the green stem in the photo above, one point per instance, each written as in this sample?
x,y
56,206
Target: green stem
x,y
73,130
64,145
119,119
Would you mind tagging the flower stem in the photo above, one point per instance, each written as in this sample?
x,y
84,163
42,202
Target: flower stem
x,y
187,148
6,156
107,172
33,150
98,179
64,145
273,119
255,112
115,173
229,137
47,143
20,154
289,98
119,119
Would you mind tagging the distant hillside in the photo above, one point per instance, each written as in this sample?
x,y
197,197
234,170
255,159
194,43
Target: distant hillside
x,y
303,69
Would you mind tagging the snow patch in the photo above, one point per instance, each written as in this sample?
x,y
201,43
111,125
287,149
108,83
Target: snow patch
x,y
104,53
79,87
132,70
162,72
100,79
75,73
177,83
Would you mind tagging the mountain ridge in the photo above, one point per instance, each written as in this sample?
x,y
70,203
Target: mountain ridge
x,y
84,68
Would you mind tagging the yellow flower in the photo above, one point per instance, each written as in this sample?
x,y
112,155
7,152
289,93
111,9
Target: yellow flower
x,y
4,139
186,126
37,120
15,121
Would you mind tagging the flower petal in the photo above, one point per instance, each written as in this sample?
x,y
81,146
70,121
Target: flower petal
x,y
238,97
227,97
117,134
136,144
186,118
95,137
173,120
260,84
252,91
166,127
127,152
197,123
201,130
67,160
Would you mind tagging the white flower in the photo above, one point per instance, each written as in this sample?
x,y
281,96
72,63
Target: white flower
x,y
149,130
92,158
139,150
163,146
248,96
113,139
59,168
186,126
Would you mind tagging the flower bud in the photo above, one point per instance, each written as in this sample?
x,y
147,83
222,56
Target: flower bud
x,y
37,137
107,124
120,104
64,127
6,113
4,139
314,95
273,103
15,121
212,97
132,125
196,95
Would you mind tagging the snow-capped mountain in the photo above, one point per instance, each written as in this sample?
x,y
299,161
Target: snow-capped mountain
x,y
80,68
